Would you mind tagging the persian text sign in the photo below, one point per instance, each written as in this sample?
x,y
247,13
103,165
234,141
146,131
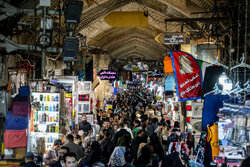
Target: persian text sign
x,y
174,39
107,75
188,76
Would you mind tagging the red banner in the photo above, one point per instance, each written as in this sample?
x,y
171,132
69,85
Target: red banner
x,y
188,76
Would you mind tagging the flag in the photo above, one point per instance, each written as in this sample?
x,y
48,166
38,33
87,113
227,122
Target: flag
x,y
118,84
188,76
203,66
149,82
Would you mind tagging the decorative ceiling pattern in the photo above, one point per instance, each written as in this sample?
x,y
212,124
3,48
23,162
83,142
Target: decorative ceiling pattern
x,y
139,42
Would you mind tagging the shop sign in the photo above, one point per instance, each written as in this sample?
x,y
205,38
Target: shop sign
x,y
107,75
175,38
68,95
156,73
188,76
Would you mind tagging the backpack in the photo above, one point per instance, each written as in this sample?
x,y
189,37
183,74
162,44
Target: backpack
x,y
118,160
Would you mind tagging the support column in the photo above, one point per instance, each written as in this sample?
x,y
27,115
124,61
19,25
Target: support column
x,y
103,90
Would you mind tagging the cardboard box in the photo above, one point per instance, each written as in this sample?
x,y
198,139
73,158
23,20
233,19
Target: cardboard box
x,y
19,152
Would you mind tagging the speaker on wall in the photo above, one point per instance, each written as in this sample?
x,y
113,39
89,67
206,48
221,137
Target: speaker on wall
x,y
70,49
73,11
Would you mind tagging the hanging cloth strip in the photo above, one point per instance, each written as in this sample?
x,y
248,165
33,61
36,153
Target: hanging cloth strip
x,y
212,138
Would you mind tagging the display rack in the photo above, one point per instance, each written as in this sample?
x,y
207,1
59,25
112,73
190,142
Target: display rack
x,y
84,100
45,118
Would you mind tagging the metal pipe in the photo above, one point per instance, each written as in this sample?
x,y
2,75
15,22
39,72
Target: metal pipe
x,y
13,46
43,50
10,10
245,46
238,41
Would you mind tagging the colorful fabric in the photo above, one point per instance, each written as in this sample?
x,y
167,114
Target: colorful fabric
x,y
168,64
212,138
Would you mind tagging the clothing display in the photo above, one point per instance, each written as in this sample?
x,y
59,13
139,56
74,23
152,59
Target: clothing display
x,y
212,139
211,77
212,103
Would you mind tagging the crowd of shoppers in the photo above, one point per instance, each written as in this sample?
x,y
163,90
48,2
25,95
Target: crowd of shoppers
x,y
131,134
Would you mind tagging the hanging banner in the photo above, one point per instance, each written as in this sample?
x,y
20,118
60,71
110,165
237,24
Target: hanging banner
x,y
188,76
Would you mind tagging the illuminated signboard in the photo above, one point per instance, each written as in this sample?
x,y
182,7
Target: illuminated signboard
x,y
107,75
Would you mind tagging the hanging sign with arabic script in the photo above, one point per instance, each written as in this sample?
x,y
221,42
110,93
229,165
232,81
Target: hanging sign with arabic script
x,y
188,75
107,75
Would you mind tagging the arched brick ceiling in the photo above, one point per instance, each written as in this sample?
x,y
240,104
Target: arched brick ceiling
x,y
123,42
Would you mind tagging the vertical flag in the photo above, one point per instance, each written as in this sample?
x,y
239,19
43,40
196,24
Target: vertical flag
x,y
118,84
188,76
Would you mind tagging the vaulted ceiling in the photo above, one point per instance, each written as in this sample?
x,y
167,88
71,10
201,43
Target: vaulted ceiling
x,y
136,42
131,42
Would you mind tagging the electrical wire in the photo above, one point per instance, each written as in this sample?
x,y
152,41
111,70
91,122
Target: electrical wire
x,y
54,59
25,60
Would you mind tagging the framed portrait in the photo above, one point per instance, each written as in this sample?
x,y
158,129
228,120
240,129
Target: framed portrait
x,y
87,87
86,108
80,108
80,86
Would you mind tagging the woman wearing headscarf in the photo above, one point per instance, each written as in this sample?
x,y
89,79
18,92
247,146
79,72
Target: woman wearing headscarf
x,y
117,158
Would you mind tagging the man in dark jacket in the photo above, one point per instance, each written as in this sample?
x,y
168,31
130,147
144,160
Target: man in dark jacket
x,y
29,160
84,125
120,133
107,147
75,148
136,142
107,126
59,163
152,127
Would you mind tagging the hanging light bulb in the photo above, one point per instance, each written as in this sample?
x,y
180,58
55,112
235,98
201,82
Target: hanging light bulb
x,y
222,78
228,85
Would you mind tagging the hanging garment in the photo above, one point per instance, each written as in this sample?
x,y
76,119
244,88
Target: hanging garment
x,y
212,103
212,75
212,139
243,76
